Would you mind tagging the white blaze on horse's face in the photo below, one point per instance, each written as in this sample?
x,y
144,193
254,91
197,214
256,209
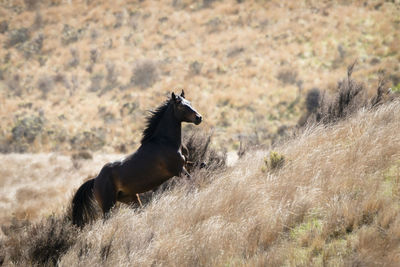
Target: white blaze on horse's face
x,y
184,111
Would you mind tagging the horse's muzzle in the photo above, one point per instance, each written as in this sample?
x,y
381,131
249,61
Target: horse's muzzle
x,y
198,120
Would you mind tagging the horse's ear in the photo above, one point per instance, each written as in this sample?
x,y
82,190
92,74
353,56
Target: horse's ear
x,y
173,96
183,94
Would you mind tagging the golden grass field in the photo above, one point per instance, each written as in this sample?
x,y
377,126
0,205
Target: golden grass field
x,y
89,70
80,76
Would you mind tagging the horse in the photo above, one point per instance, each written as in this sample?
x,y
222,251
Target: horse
x,y
158,159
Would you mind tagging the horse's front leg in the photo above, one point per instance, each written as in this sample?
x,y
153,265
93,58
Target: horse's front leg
x,y
138,200
185,172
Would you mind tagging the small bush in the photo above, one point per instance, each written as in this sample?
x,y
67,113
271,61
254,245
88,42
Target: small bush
x,y
14,85
74,61
94,55
145,74
128,108
111,78
69,35
214,25
112,75
39,244
31,4
3,26
195,68
396,89
96,82
88,140
235,51
17,36
38,22
207,3
27,129
119,19
350,97
45,84
274,161
201,153
77,158
32,48
313,99
82,155
287,76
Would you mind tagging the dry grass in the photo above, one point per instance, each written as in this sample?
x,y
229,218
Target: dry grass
x,y
333,202
240,63
80,75
28,181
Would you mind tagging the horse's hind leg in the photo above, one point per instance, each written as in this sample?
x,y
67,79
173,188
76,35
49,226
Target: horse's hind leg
x,y
104,189
129,199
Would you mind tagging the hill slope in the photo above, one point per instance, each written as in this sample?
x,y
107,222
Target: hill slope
x,y
81,74
333,201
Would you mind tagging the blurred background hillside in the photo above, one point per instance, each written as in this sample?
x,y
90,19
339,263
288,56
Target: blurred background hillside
x,y
81,75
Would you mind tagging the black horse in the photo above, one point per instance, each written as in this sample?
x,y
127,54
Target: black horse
x,y
158,159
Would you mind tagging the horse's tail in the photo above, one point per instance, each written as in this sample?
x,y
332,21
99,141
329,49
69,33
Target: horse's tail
x,y
82,204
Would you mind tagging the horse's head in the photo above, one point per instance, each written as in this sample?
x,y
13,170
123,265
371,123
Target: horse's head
x,y
183,111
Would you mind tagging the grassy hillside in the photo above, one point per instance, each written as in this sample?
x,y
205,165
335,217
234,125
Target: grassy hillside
x,y
316,180
333,200
82,74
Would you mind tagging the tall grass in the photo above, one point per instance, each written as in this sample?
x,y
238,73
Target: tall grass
x,y
333,201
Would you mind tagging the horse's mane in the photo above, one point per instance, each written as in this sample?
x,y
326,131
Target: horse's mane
x,y
152,121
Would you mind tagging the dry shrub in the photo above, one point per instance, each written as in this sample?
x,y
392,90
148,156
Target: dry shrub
x,y
41,244
23,134
14,85
202,153
351,97
145,74
17,36
81,155
74,61
287,76
88,140
96,82
3,26
111,78
312,100
45,84
69,35
32,48
31,4
195,67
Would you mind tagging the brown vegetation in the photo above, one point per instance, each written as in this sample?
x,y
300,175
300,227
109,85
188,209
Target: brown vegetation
x,y
350,97
333,200
76,80
242,63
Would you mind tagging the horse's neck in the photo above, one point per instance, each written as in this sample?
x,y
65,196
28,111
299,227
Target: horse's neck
x,y
170,129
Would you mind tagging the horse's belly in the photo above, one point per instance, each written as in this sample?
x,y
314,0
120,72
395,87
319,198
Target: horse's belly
x,y
142,178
